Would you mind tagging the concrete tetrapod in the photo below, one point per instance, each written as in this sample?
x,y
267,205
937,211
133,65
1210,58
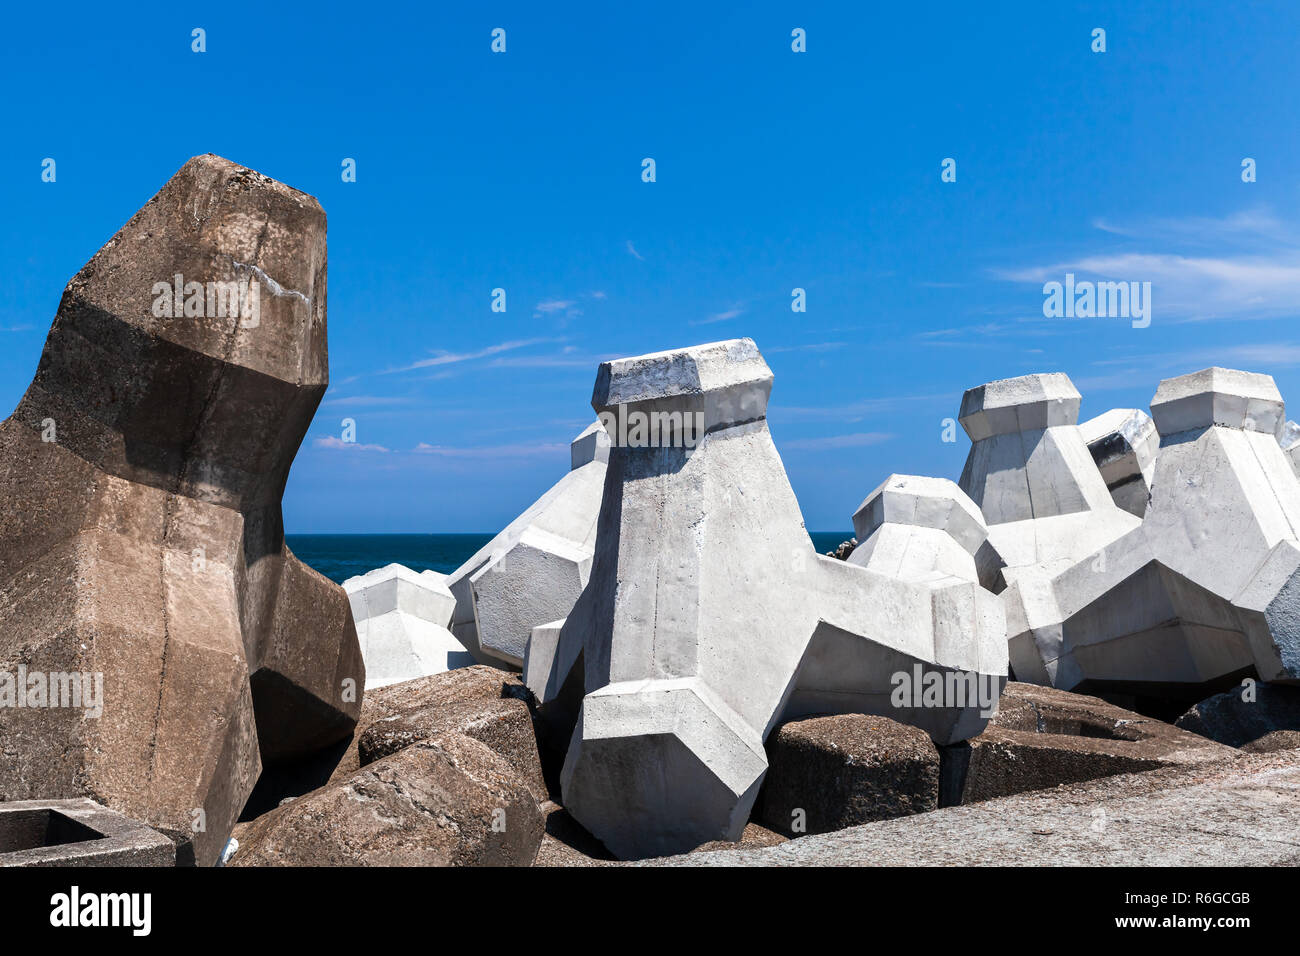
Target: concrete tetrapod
x,y
141,538
1290,441
534,570
401,620
1123,443
709,617
914,528
1033,478
1205,590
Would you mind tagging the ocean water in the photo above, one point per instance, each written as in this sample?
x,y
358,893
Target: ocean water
x,y
341,556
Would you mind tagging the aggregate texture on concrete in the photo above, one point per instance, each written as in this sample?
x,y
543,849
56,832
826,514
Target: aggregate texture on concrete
x,y
448,800
1221,814
1042,737
1246,714
828,773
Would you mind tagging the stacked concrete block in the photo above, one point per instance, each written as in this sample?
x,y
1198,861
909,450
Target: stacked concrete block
x,y
1123,443
1226,510
401,619
1201,592
1046,503
1028,459
457,699
1247,715
534,570
540,665
448,800
709,617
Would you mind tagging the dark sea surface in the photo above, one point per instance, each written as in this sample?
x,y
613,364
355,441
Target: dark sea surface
x,y
341,556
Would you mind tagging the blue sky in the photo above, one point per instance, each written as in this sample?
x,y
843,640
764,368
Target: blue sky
x,y
775,170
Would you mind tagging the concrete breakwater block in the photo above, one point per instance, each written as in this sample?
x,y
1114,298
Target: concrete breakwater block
x,y
445,801
402,623
1202,590
1042,737
141,535
710,618
828,773
77,832
534,570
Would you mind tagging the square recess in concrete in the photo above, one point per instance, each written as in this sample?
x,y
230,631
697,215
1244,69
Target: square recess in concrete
x,y
77,832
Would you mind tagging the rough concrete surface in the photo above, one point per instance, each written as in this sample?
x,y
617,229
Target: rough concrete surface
x,y
1042,737
1243,715
1223,814
828,773
446,801
141,536
77,832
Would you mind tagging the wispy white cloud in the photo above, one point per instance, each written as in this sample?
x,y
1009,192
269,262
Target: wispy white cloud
x,y
1255,357
442,357
1258,224
1243,266
828,442
333,441
632,250
516,450
368,401
554,305
549,361
731,313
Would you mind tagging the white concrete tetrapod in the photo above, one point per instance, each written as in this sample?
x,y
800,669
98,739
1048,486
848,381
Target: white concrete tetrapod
x,y
1290,442
1031,474
534,570
709,617
1124,443
401,619
1205,590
